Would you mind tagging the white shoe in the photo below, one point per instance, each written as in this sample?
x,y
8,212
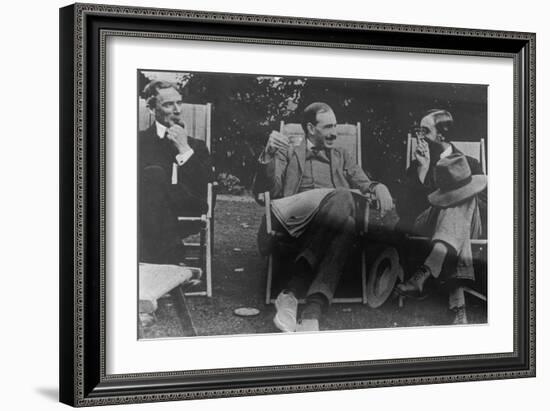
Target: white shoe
x,y
287,310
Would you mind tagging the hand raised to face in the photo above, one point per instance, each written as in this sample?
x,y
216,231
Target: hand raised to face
x,y
178,135
422,153
276,142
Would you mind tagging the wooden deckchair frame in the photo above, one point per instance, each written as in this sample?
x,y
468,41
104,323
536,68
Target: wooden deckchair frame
x,y
293,130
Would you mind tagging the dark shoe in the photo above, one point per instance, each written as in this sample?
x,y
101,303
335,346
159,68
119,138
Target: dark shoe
x,y
312,311
460,315
414,286
308,325
315,305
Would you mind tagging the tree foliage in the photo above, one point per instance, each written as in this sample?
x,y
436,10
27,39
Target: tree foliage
x,y
247,107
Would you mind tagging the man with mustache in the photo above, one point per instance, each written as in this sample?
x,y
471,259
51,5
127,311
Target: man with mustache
x,y
311,183
174,171
450,222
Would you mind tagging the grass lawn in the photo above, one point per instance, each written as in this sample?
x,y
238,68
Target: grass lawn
x,y
238,275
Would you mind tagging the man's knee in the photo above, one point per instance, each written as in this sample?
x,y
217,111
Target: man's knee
x,y
337,207
343,199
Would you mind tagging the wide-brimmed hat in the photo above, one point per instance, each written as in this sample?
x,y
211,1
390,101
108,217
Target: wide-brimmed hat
x,y
455,182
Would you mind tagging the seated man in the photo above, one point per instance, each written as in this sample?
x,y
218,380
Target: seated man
x,y
446,199
313,181
174,171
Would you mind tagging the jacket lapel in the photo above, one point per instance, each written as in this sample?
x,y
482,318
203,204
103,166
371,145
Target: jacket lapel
x,y
151,132
294,168
300,153
333,165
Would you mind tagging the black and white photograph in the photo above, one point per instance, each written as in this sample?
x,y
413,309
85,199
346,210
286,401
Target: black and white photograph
x,y
297,204
273,204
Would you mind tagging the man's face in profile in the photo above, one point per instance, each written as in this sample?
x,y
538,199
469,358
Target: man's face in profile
x,y
168,107
323,134
428,129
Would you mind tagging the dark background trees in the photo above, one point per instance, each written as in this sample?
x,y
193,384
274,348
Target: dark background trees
x,y
245,108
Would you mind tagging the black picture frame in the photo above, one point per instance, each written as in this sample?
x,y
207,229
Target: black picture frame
x,y
83,29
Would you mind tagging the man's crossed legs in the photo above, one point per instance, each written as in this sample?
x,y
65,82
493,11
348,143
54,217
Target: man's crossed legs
x,y
324,249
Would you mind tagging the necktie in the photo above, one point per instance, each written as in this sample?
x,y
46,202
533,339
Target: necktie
x,y
320,152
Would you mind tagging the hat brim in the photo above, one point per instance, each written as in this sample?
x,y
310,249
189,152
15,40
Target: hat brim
x,y
445,199
384,271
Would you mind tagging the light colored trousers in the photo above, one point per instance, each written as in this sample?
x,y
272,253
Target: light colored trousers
x,y
455,227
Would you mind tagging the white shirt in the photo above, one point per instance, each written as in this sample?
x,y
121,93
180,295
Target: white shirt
x,y
181,158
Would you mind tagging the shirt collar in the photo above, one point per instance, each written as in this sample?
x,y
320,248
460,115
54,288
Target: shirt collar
x,y
311,147
447,152
161,129
321,154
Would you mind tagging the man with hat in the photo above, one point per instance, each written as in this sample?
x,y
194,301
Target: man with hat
x,y
450,189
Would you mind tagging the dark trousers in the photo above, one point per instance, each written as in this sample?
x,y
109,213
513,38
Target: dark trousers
x,y
160,204
324,247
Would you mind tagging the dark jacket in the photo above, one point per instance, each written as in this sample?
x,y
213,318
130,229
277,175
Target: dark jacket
x,y
193,176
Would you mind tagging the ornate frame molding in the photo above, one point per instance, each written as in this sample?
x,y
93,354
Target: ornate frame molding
x,y
82,317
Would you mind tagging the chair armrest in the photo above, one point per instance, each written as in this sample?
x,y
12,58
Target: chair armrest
x,y
201,218
215,188
370,201
210,199
267,202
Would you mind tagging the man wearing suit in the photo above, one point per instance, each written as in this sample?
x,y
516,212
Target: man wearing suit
x,y
174,171
311,183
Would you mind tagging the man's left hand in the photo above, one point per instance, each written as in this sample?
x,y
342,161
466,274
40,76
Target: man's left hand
x,y
178,136
384,198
